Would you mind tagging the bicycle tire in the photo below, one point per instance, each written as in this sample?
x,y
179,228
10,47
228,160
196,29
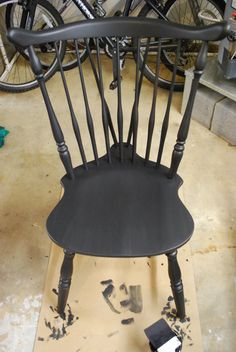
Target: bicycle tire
x,y
69,65
149,74
69,15
30,83
214,7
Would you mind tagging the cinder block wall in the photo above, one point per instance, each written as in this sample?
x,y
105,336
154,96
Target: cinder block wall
x,y
224,120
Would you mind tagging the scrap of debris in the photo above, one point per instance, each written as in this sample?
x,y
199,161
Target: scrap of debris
x,y
127,321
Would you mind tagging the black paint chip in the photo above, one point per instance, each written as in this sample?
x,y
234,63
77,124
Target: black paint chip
x,y
127,321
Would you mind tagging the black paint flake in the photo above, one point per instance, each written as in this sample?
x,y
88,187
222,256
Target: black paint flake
x,y
127,321
106,282
54,290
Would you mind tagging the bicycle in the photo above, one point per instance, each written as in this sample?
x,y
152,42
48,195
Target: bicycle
x,y
15,72
167,11
181,11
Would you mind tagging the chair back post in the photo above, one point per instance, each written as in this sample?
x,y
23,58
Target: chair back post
x,y
185,123
55,126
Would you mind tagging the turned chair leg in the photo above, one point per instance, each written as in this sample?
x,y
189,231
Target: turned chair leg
x,y
176,283
65,280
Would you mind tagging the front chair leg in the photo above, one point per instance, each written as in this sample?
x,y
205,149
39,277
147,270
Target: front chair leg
x,y
176,283
65,280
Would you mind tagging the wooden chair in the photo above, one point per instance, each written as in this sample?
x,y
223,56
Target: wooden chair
x,y
120,204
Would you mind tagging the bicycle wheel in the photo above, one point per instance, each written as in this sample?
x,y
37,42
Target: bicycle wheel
x,y
70,13
179,11
15,72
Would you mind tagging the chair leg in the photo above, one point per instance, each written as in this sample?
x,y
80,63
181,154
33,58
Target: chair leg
x,y
65,280
176,283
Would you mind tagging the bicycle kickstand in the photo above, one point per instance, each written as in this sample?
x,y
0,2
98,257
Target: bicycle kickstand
x,y
114,83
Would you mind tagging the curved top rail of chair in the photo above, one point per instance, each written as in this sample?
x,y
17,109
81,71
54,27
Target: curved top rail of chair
x,y
118,27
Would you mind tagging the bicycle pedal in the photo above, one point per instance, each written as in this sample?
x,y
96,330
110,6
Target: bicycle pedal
x,y
118,13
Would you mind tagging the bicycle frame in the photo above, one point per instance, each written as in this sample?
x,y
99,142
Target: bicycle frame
x,y
156,5
28,13
89,12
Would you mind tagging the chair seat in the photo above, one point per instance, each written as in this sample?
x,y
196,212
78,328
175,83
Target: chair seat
x,y
120,210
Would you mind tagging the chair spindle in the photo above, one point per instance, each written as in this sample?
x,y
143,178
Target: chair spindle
x,y
55,126
119,101
165,122
86,103
139,89
72,113
153,107
134,118
185,123
99,88
104,110
106,118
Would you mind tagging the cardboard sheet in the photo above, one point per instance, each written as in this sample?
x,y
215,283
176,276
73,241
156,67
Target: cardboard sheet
x,y
112,301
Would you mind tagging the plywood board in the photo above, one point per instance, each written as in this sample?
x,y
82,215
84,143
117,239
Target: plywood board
x,y
93,323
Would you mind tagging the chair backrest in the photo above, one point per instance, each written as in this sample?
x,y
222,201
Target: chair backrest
x,y
142,30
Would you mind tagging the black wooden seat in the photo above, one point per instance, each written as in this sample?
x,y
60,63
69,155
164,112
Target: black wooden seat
x,y
120,210
121,204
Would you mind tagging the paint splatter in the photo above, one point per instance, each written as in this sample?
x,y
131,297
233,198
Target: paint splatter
x,y
106,282
180,327
133,302
71,316
58,326
136,301
55,291
107,293
113,333
127,321
125,303
123,287
170,299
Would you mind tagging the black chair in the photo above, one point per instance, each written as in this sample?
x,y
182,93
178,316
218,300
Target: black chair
x,y
121,204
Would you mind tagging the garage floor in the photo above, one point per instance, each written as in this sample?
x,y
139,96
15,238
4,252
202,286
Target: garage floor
x,y
30,173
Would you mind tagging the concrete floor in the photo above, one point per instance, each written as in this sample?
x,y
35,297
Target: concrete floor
x,y
30,173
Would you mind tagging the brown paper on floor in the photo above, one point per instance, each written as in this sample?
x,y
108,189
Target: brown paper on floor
x,y
93,323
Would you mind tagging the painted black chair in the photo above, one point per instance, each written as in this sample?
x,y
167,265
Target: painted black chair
x,y
121,204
